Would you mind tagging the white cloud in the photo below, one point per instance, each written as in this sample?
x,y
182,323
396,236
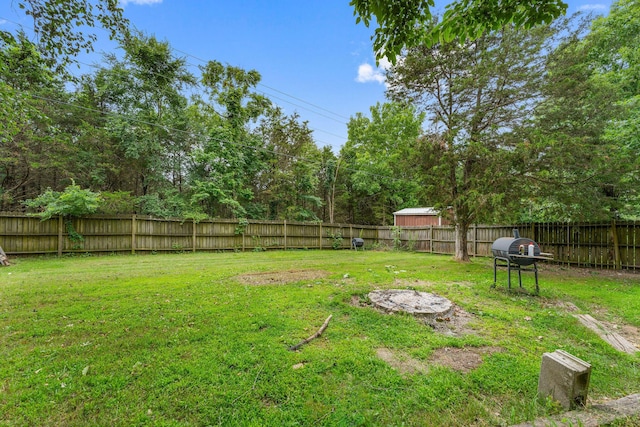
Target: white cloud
x,y
139,2
3,21
367,73
588,7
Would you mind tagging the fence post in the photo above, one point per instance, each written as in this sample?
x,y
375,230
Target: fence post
x,y
133,234
320,237
285,233
616,246
475,240
60,235
431,238
568,255
194,236
533,231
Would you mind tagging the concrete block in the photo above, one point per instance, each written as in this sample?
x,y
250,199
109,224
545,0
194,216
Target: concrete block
x,y
565,378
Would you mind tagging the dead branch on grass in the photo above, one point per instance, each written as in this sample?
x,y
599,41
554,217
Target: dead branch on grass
x,y
314,336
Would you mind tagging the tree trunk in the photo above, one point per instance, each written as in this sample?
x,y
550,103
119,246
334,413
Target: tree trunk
x,y
461,253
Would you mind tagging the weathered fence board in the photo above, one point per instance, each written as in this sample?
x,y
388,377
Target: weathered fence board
x,y
614,245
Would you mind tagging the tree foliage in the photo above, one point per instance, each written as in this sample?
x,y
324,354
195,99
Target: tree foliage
x,y
475,93
230,156
590,109
378,154
572,172
409,23
73,201
287,188
33,144
64,27
513,123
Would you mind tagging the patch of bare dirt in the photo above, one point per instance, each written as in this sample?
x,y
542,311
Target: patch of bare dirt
x,y
401,362
356,301
588,272
459,359
629,332
567,306
281,277
454,325
462,359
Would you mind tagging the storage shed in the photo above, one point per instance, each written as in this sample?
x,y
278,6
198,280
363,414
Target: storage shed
x,y
418,217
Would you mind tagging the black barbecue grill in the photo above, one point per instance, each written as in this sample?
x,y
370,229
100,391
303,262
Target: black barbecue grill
x,y
357,242
516,253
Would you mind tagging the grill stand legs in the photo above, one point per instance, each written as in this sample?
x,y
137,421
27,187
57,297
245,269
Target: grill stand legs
x,y
510,267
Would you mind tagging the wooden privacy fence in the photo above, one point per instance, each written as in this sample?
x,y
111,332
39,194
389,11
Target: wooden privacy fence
x,y
614,245
25,235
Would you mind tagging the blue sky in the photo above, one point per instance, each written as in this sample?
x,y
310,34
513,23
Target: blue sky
x,y
313,58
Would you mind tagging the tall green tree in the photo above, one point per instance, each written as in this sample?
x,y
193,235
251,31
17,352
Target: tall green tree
x,y
571,170
615,51
377,155
143,96
34,147
474,93
590,108
226,163
288,186
330,170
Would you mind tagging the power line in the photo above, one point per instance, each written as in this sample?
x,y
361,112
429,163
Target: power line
x,y
99,67
271,88
259,84
309,161
220,140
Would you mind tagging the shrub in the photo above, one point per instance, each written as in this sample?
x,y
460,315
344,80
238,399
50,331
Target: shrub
x,y
72,202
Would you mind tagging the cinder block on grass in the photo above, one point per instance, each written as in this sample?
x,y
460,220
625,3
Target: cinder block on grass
x,y
565,378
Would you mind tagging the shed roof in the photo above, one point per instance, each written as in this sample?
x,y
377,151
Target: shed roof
x,y
418,211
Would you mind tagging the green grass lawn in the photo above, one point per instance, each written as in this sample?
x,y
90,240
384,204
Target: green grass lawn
x,y
184,339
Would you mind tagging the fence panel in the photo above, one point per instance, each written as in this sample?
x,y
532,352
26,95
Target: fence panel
x,y
629,241
220,235
443,240
158,235
303,236
23,235
485,236
100,234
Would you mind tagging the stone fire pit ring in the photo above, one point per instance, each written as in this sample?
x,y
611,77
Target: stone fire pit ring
x,y
427,306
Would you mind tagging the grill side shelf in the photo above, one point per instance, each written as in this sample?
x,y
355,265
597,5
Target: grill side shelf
x,y
546,257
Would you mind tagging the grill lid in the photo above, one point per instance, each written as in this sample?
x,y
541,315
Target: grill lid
x,y
515,249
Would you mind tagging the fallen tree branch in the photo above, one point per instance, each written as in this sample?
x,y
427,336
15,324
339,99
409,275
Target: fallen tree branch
x,y
314,336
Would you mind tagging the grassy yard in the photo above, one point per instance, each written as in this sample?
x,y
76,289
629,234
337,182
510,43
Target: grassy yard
x,y
202,339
